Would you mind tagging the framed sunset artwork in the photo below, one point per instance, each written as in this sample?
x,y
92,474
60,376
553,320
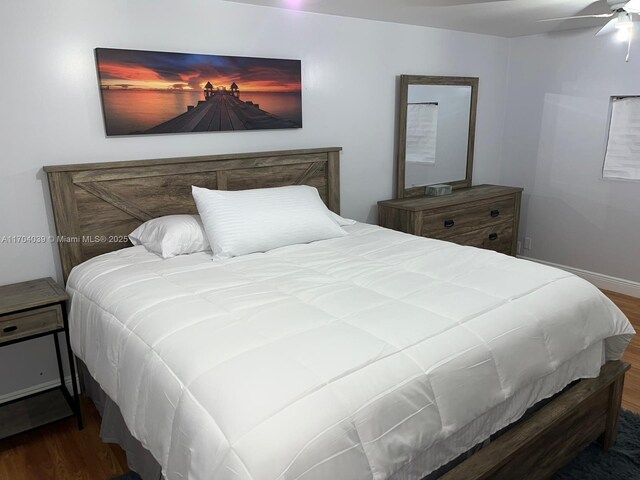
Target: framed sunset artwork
x,y
145,92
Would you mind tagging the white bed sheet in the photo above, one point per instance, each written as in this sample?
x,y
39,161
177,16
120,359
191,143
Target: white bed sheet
x,y
375,355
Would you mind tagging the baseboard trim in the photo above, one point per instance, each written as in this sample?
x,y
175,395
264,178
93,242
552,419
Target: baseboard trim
x,y
604,282
41,387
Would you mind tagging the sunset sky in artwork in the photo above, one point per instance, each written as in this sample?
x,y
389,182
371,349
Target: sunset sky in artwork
x,y
134,69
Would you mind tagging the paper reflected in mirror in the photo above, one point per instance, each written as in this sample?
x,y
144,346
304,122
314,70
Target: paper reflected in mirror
x,y
422,126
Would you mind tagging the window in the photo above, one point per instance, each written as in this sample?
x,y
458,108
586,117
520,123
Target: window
x,y
622,159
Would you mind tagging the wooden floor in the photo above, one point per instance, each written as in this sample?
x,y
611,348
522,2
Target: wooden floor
x,y
61,452
631,307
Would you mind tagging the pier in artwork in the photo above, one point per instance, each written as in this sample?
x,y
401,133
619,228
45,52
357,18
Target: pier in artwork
x,y
221,110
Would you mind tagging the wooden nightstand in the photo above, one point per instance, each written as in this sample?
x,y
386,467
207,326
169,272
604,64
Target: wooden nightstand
x,y
30,310
485,216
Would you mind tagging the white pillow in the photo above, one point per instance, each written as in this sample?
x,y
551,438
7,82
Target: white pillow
x,y
171,235
340,220
247,221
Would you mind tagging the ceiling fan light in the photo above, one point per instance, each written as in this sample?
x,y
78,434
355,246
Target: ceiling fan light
x,y
624,25
624,31
623,35
624,17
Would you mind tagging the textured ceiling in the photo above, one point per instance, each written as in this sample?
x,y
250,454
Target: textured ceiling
x,y
506,18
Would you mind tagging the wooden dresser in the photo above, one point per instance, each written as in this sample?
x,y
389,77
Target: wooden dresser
x,y
484,216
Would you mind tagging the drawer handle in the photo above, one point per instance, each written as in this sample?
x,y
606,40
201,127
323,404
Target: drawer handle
x,y
449,223
10,329
493,236
495,213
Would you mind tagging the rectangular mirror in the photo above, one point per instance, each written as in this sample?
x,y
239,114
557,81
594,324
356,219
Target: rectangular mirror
x,y
436,132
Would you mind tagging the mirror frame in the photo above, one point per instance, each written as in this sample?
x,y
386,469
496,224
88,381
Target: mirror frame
x,y
405,82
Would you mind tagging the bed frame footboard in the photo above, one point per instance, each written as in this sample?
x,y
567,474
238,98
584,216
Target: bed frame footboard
x,y
554,435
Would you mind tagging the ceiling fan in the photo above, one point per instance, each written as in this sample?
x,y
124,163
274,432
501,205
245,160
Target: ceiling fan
x,y
622,20
448,3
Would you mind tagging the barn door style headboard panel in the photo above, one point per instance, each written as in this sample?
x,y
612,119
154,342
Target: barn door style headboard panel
x,y
96,205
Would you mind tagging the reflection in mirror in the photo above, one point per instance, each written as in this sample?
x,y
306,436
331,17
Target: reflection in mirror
x,y
422,126
436,132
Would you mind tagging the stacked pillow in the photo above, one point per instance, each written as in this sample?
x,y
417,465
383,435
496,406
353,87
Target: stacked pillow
x,y
240,222
171,235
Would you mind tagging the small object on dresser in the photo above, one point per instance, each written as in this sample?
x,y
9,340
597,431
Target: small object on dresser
x,y
31,310
438,190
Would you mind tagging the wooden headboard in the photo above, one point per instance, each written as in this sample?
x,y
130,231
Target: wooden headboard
x,y
96,205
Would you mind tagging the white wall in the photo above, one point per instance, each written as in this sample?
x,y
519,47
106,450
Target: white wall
x,y
554,143
51,111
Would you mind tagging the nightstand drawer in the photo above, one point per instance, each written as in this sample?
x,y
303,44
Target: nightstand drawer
x,y
448,222
31,322
496,237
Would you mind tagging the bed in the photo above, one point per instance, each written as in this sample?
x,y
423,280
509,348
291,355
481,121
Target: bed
x,y
375,355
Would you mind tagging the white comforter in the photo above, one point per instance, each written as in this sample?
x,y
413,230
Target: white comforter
x,y
341,359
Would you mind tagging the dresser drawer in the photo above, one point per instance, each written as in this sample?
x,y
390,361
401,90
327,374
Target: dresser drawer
x,y
32,322
485,216
496,237
454,221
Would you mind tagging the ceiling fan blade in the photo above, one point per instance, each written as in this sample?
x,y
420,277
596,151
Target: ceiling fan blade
x,y
610,27
449,3
603,15
632,6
